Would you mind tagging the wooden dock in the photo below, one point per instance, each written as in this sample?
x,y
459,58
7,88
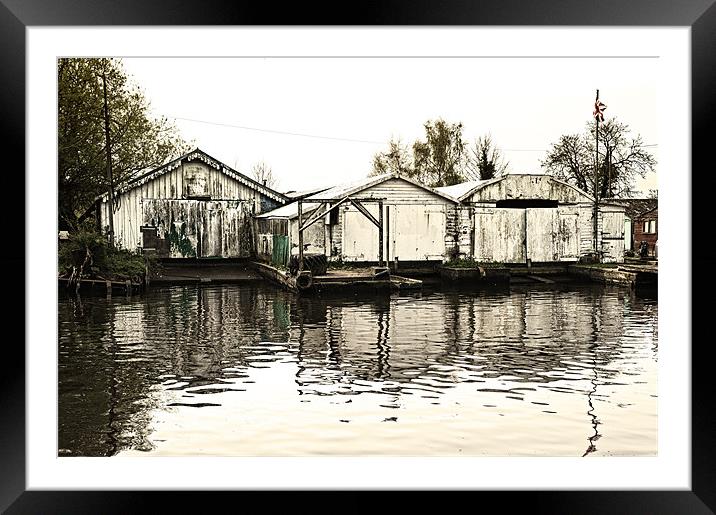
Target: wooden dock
x,y
100,286
363,279
627,275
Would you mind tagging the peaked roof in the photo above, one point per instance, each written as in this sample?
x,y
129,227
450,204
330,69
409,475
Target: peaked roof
x,y
347,189
295,195
199,155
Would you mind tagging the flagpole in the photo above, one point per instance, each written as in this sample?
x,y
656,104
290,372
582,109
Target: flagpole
x,y
596,168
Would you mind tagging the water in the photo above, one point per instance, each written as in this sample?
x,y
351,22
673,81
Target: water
x,y
250,370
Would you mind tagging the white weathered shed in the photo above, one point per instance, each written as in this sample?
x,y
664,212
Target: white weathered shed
x,y
193,206
419,223
518,217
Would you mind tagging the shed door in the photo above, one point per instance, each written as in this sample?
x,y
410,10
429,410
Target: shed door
x,y
360,235
567,236
613,236
541,244
500,235
552,235
417,232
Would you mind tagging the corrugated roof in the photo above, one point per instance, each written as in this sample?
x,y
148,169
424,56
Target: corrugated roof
x,y
198,154
344,190
289,210
305,193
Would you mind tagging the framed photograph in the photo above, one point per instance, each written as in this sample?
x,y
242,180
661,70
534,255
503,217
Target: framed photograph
x,y
584,399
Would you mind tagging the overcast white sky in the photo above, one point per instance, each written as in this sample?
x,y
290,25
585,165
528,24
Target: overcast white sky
x,y
525,103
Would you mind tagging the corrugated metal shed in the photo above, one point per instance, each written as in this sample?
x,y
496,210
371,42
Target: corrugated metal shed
x,y
193,206
536,217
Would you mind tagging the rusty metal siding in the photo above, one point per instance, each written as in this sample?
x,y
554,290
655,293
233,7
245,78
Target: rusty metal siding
x,y
196,228
195,178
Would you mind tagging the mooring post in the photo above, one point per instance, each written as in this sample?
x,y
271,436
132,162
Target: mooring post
x,y
380,233
300,235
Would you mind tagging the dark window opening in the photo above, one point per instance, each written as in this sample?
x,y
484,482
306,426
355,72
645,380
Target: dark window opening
x,y
198,197
518,203
333,217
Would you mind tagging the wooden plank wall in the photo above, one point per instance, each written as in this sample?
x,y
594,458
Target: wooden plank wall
x,y
171,185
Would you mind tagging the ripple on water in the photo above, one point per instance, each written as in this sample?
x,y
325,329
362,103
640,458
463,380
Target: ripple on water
x,y
252,370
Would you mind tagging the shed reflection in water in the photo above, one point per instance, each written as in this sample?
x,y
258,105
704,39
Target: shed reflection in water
x,y
251,370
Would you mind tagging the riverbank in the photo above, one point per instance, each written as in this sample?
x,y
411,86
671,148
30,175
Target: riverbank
x,y
345,279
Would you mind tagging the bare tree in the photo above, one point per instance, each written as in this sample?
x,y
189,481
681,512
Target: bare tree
x,y
621,160
484,161
262,173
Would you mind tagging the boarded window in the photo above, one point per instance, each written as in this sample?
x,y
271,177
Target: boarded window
x,y
196,182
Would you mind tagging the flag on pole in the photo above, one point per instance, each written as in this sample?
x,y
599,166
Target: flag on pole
x,y
599,110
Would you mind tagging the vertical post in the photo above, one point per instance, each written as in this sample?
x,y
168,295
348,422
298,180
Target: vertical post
x,y
596,170
300,235
380,233
387,236
108,149
527,259
609,169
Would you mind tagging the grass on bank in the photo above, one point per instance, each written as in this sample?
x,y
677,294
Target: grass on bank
x,y
88,251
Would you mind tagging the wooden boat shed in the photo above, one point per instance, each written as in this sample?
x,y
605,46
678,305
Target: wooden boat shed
x,y
418,223
192,207
521,217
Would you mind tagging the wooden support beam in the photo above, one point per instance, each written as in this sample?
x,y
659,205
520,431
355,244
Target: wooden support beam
x,y
380,233
311,220
360,207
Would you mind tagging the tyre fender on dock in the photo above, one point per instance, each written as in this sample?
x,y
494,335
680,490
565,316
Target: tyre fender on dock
x,y
304,280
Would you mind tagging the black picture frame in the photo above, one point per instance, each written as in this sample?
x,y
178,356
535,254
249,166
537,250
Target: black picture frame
x,y
700,15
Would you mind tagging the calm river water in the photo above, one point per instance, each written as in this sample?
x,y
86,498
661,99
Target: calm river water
x,y
239,370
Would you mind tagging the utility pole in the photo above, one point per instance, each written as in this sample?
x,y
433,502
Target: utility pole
x,y
108,148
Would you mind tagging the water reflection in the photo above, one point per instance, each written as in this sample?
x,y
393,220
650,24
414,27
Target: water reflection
x,y
524,355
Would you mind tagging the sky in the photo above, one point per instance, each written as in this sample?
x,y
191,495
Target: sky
x,y
318,121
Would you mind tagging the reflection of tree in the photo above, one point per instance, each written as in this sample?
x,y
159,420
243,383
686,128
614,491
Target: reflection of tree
x,y
117,355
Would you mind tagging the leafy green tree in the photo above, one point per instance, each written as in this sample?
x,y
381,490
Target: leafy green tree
x,y
396,160
137,140
484,161
440,159
622,159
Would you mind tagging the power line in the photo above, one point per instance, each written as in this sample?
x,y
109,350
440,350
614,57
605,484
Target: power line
x,y
285,133
334,138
